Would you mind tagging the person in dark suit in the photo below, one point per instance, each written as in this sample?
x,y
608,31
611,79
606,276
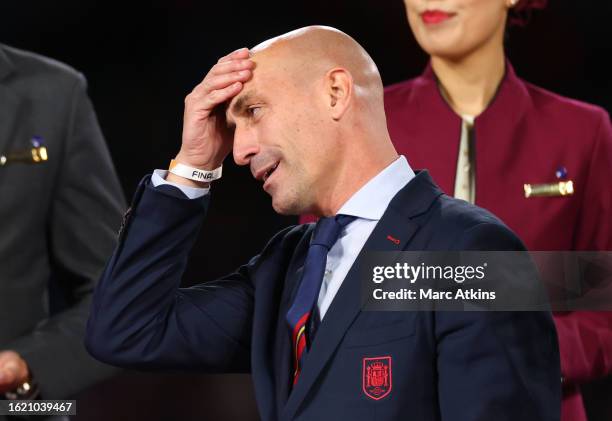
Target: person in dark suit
x,y
539,161
60,207
305,112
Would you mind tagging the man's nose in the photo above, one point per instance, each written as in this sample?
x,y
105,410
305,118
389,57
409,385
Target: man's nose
x,y
246,146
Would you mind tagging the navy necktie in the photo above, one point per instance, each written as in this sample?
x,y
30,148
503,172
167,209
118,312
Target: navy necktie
x,y
304,307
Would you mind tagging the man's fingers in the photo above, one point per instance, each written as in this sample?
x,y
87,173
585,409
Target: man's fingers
x,y
221,95
224,80
239,53
212,91
214,83
231,66
205,103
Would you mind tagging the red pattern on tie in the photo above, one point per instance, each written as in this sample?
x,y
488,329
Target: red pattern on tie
x,y
299,344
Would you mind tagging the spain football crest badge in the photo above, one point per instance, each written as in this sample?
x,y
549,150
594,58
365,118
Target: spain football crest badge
x,y
377,381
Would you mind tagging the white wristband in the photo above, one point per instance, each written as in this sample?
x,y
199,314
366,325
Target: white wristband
x,y
195,174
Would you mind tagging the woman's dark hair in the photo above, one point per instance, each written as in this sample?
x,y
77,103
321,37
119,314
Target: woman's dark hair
x,y
519,15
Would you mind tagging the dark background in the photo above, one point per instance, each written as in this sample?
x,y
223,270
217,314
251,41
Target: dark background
x,y
142,59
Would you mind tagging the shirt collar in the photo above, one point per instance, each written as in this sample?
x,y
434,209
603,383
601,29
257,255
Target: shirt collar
x,y
371,201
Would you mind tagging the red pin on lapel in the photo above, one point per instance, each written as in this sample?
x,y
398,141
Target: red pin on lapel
x,y
393,239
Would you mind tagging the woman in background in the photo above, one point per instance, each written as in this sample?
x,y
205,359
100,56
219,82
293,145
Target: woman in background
x,y
484,134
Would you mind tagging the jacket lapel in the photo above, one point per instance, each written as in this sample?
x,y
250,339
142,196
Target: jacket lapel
x,y
10,104
271,347
499,149
284,346
437,130
413,199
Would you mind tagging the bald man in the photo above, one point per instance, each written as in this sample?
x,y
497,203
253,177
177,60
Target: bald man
x,y
305,112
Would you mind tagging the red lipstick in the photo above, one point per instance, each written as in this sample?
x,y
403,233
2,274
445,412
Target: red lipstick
x,y
435,16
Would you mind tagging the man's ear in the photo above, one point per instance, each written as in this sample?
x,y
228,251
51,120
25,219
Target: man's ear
x,y
339,91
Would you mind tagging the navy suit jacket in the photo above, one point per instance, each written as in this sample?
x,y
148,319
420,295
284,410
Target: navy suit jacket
x,y
464,366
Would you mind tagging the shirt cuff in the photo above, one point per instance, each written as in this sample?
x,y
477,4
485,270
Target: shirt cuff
x,y
159,177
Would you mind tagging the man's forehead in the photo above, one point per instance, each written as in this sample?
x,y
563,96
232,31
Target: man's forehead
x,y
270,73
253,88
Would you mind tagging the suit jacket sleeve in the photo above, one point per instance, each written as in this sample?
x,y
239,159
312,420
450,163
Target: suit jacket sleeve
x,y
82,222
505,363
140,317
585,338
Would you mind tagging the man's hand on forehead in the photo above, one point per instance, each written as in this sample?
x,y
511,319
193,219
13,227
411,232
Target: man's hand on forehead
x,y
206,139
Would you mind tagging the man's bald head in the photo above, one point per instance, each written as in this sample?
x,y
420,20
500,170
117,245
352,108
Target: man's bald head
x,y
308,53
293,63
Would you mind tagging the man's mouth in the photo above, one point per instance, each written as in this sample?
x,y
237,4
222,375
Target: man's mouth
x,y
269,172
